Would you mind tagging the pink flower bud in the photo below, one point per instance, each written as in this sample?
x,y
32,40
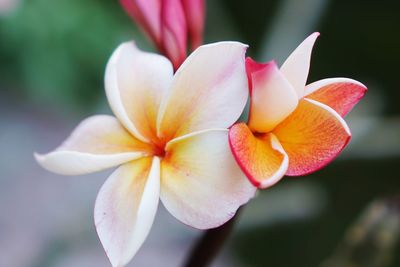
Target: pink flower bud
x,y
169,24
195,15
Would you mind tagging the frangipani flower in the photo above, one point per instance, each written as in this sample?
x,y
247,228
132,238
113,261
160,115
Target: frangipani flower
x,y
293,129
170,139
169,23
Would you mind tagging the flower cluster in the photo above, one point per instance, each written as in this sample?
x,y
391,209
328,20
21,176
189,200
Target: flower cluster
x,y
293,129
172,137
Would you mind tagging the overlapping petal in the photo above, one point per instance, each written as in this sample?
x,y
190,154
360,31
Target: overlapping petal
x,y
135,83
208,91
97,143
174,31
260,157
273,98
297,65
125,208
201,185
146,13
341,94
312,136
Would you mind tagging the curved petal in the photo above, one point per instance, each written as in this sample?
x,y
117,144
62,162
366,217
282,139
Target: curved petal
x,y
341,94
261,158
97,143
201,184
135,83
195,14
125,208
174,31
297,65
146,13
312,136
209,91
272,96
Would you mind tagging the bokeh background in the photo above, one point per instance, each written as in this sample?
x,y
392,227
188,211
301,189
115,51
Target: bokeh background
x,y
52,60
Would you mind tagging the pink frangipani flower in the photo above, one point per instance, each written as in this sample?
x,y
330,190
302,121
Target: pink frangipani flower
x,y
293,129
169,138
169,24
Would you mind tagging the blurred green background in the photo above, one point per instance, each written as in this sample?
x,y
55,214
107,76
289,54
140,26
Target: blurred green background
x,y
52,60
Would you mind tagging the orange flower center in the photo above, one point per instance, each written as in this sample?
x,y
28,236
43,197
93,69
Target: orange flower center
x,y
159,147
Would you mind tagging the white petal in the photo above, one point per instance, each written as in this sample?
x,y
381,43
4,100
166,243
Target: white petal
x,y
201,184
273,98
135,83
297,65
125,208
209,90
97,143
76,163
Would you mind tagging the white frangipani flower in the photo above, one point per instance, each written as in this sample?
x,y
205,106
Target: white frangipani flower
x,y
169,139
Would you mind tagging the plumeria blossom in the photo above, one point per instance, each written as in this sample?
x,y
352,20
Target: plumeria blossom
x,y
169,24
169,138
293,128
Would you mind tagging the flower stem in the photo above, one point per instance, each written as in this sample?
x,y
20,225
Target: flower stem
x,y
210,244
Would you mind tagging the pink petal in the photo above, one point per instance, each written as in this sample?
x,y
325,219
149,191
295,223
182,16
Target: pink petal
x,y
341,94
260,157
201,184
174,31
208,91
195,17
297,65
98,143
125,208
147,14
272,96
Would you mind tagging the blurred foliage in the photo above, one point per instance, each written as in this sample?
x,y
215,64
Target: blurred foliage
x,y
350,186
252,19
371,240
54,52
359,39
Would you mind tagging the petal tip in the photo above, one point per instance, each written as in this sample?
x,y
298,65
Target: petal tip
x,y
296,67
40,158
312,37
254,66
341,94
316,34
363,86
